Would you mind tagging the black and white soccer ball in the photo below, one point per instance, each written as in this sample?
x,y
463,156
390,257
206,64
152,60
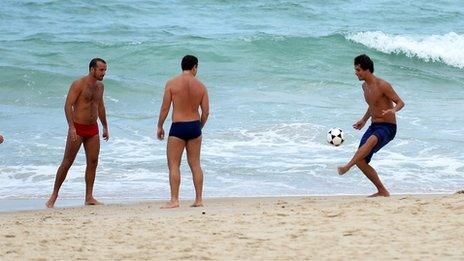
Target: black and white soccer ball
x,y
335,136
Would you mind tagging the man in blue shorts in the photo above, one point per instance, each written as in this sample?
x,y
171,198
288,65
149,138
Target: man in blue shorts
x,y
383,103
187,94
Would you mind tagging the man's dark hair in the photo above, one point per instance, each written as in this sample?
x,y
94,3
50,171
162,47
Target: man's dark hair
x,y
188,62
364,62
93,62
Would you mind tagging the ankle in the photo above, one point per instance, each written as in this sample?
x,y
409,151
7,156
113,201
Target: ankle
x,y
383,191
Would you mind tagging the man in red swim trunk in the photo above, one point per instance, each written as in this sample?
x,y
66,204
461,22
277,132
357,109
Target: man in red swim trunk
x,y
84,105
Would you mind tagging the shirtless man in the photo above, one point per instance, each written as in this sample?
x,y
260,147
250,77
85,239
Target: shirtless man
x,y
187,94
1,139
380,97
84,105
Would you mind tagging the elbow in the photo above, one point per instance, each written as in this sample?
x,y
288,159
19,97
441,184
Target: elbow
x,y
164,110
67,108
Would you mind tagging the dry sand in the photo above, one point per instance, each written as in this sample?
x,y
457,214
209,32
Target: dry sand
x,y
427,227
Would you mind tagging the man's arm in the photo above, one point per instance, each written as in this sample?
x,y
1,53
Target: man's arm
x,y
393,96
102,115
367,115
360,123
73,94
164,111
204,108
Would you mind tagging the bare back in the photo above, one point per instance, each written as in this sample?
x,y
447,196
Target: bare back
x,y
187,93
89,96
379,98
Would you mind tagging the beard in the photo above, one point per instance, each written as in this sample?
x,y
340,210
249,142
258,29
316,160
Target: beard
x,y
98,77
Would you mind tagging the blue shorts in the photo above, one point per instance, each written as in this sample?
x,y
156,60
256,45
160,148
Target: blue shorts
x,y
186,130
385,132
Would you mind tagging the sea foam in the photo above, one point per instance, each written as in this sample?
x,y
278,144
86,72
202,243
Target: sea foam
x,y
437,48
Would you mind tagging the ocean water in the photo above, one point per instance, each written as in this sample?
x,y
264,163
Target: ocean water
x,y
279,75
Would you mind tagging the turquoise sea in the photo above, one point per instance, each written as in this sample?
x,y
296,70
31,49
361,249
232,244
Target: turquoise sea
x,y
279,74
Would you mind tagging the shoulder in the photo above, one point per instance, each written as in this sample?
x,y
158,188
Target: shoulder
x,y
198,83
171,81
383,84
77,84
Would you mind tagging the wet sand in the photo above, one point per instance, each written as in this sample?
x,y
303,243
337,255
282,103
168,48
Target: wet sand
x,y
340,227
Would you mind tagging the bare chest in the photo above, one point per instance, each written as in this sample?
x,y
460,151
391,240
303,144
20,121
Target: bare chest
x,y
90,94
374,96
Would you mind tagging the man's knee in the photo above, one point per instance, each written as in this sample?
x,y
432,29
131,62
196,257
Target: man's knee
x,y
173,163
372,141
193,163
361,164
67,162
92,163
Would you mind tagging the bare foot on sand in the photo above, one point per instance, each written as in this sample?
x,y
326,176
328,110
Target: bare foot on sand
x,y
51,202
197,204
342,170
171,204
92,202
380,194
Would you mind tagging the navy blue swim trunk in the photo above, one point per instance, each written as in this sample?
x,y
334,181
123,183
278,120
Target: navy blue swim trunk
x,y
385,132
186,130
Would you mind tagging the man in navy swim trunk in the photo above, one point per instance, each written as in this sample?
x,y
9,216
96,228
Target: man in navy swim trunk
x,y
187,94
383,103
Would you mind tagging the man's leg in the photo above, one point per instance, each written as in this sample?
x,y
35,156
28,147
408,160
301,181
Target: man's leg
x,y
92,150
70,152
193,156
371,174
360,154
174,153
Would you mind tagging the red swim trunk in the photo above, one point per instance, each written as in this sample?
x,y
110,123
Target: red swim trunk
x,y
86,131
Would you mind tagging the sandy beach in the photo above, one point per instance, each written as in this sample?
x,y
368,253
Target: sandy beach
x,y
407,227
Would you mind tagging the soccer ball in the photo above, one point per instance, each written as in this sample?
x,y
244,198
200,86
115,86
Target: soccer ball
x,y
335,136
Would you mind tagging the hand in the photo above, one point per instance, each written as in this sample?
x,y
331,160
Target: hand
x,y
359,124
73,133
160,133
106,134
388,111
1,139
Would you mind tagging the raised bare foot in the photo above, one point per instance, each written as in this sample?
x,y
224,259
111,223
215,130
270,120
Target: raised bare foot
x,y
342,170
380,194
170,204
51,202
197,204
92,202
